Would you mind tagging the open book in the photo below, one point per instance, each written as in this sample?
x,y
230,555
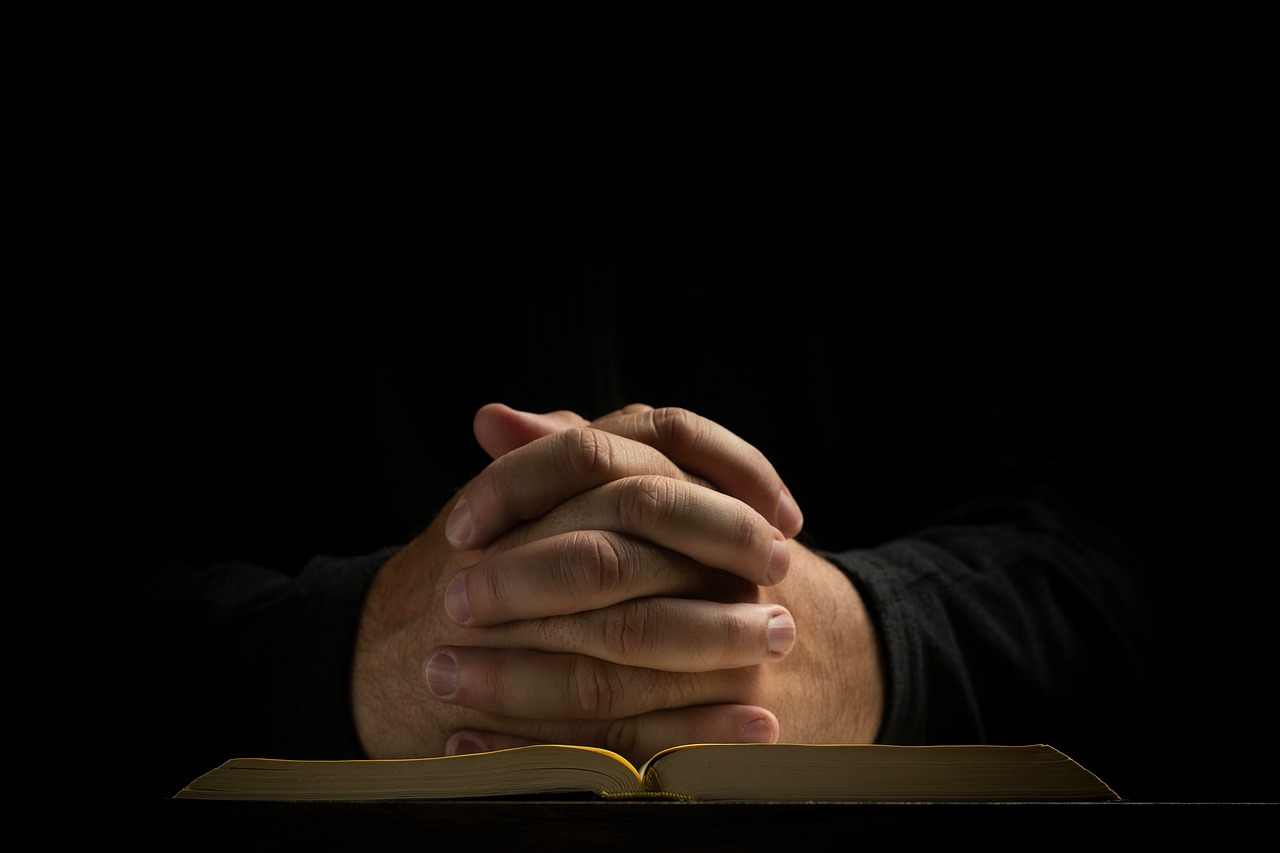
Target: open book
x,y
693,772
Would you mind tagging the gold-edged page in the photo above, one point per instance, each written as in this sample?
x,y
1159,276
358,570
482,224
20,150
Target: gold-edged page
x,y
541,769
875,773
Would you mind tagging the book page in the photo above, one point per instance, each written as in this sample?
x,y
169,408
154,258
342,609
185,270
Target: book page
x,y
873,773
543,769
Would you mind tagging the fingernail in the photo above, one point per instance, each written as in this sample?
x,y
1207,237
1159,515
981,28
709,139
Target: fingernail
x,y
442,674
782,633
779,560
458,528
758,730
463,746
788,516
455,600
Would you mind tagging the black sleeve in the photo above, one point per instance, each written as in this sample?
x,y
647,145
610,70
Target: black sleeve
x,y
255,662
1016,622
1015,589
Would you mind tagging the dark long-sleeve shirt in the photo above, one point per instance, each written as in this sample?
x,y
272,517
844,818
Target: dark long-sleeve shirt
x,y
972,460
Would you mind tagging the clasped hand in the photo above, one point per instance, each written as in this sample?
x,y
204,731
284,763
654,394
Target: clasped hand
x,y
629,583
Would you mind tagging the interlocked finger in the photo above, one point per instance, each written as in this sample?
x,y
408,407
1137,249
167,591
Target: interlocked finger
x,y
526,684
670,634
581,570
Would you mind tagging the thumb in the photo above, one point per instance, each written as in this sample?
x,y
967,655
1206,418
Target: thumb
x,y
500,429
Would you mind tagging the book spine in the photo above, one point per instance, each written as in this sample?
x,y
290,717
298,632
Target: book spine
x,y
646,795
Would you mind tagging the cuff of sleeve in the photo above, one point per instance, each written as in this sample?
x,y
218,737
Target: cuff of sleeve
x,y
332,591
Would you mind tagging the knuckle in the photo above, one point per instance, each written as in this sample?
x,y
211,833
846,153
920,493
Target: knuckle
x,y
681,430
589,564
744,528
737,632
596,688
588,453
646,500
496,482
625,633
623,737
487,687
676,426
500,588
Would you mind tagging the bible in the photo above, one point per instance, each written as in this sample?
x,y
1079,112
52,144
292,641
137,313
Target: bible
x,y
692,772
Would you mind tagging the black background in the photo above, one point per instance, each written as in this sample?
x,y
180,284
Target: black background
x,y
220,381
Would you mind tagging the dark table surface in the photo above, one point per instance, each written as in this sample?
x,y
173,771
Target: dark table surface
x,y
205,825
